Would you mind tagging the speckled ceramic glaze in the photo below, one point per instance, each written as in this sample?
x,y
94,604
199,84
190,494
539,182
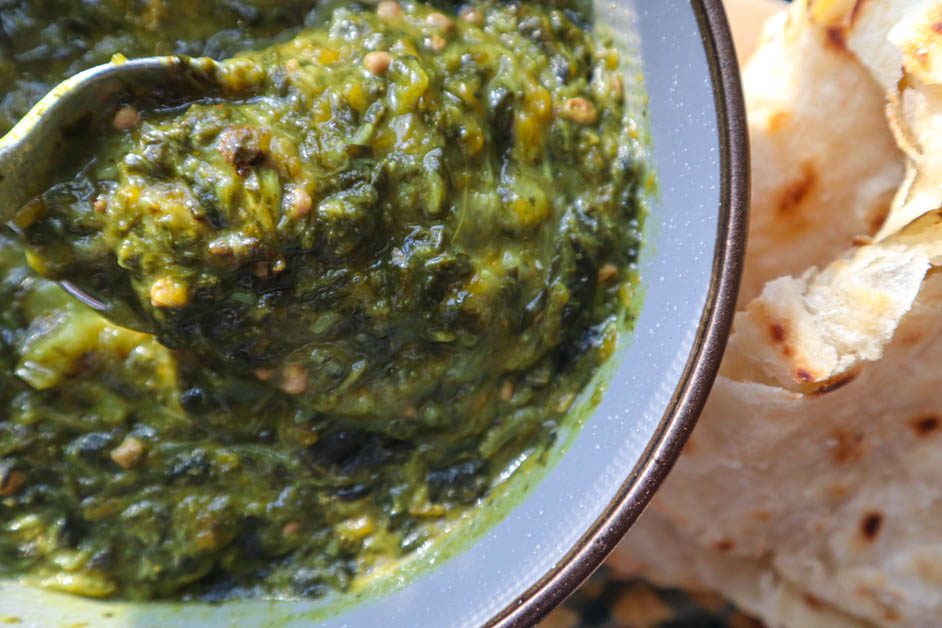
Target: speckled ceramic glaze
x,y
571,518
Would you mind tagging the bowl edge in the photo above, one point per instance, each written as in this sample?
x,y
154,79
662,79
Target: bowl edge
x,y
703,364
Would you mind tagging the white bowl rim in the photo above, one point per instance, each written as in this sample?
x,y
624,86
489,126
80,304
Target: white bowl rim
x,y
693,387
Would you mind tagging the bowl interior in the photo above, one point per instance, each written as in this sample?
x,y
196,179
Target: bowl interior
x,y
485,581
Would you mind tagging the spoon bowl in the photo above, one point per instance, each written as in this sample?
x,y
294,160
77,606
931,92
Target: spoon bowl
x,y
51,138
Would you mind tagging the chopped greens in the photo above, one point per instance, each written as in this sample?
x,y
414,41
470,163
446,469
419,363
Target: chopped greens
x,y
383,264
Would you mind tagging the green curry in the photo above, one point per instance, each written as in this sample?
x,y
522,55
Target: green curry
x,y
382,263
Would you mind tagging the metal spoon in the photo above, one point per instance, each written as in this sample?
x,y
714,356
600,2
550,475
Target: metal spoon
x,y
44,142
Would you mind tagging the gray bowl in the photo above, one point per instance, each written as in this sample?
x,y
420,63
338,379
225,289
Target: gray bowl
x,y
565,525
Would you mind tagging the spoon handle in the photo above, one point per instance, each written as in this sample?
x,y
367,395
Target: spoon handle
x,y
57,132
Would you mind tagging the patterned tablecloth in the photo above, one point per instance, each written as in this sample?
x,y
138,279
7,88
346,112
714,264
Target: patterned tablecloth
x,y
608,602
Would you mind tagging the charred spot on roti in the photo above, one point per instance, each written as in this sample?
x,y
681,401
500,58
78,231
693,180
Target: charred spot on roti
x,y
797,191
803,375
812,601
880,211
724,545
836,383
836,38
870,525
778,332
846,446
926,425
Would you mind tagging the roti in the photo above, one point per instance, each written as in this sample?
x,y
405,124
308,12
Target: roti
x,y
808,493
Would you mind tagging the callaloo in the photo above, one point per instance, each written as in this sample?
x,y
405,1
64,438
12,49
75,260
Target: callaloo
x,y
407,233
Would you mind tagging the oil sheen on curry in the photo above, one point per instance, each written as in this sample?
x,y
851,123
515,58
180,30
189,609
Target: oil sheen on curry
x,y
383,262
